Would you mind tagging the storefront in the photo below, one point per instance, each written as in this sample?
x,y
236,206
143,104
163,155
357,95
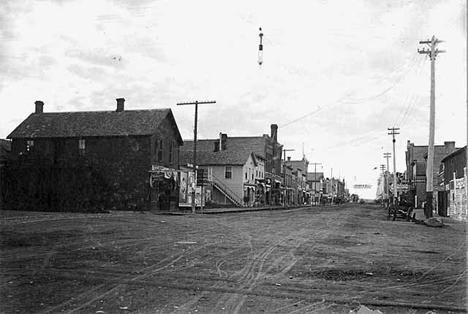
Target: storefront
x,y
164,189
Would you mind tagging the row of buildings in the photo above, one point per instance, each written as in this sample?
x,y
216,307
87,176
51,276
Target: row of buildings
x,y
449,184
137,159
449,180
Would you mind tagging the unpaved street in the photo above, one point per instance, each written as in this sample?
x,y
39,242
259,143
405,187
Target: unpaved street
x,y
325,259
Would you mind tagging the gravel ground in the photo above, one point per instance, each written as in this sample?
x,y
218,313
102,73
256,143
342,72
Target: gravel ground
x,y
328,259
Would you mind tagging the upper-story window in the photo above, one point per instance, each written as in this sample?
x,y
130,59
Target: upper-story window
x,y
158,149
228,172
82,147
171,152
30,146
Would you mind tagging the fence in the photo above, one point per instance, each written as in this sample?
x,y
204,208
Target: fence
x,y
458,208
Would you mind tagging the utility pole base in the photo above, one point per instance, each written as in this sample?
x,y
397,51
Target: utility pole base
x,y
428,207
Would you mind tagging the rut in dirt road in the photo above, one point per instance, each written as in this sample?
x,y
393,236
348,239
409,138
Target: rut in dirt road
x,y
264,262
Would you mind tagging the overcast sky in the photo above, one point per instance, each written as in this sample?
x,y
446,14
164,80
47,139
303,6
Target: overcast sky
x,y
336,74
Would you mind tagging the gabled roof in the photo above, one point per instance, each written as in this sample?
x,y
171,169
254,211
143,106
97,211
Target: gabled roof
x,y
237,152
93,123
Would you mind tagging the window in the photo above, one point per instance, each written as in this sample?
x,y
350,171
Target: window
x,y
81,147
246,175
30,146
228,172
171,153
158,149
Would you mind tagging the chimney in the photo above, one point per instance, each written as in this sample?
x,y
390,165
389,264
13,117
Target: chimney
x,y
223,141
120,104
449,147
289,158
274,132
39,106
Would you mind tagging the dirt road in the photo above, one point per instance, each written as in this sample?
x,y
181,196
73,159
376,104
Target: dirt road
x,y
328,259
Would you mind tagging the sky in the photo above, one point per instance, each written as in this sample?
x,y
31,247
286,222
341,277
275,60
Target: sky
x,y
335,76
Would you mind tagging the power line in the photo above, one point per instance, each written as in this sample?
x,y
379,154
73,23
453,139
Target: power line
x,y
298,119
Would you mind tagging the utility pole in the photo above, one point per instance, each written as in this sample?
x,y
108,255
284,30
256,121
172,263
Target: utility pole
x,y
387,156
432,52
382,167
284,174
393,132
315,180
194,183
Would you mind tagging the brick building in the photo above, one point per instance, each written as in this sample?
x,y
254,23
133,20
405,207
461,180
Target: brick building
x,y
416,157
315,181
123,148
299,167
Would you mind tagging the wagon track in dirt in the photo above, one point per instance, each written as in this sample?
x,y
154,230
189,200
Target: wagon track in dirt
x,y
283,262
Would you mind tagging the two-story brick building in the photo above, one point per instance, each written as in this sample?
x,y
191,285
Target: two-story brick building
x,y
299,169
124,149
315,181
416,157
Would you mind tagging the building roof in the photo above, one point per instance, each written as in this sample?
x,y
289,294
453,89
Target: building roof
x,y
314,176
455,153
237,152
93,123
298,164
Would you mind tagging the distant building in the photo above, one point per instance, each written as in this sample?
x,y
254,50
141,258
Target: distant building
x,y
124,150
299,167
333,190
243,171
235,173
315,181
416,157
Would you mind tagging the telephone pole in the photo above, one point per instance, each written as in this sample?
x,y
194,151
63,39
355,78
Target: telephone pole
x,y
194,182
284,174
432,52
387,156
382,167
393,132
315,180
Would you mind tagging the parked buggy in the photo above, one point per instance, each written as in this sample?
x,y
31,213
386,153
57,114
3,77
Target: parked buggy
x,y
401,209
